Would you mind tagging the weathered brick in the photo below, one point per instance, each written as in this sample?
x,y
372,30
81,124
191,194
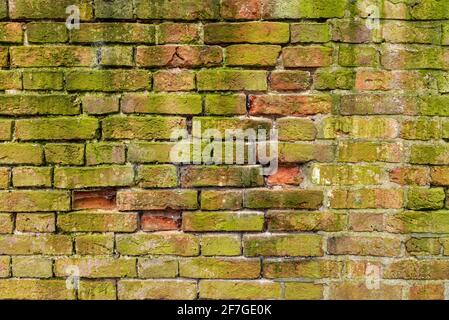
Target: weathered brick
x,y
289,80
42,244
330,174
217,104
64,153
358,56
367,199
161,103
367,104
118,9
21,153
364,246
35,222
150,152
219,268
108,80
411,32
224,200
367,80
253,32
10,80
293,245
417,269
52,56
107,176
114,32
305,221
413,57
32,267
91,221
161,221
177,80
157,200
222,221
241,9
178,33
94,244
6,223
45,9
179,56
105,153
303,291
97,290
163,243
47,32
239,290
177,10
96,199
409,176
157,176
370,151
5,262
157,289
60,128
294,105
157,267
31,177
310,32
425,199
423,246
311,57
420,129
418,222
100,104
288,175
294,9
33,104
249,55
426,292
288,198
351,290
43,80
35,289
232,80
134,127
11,32
97,267
223,176
310,268
359,127
220,245
116,56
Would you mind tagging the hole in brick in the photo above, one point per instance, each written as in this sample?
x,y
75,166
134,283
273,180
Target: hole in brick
x,y
99,199
161,220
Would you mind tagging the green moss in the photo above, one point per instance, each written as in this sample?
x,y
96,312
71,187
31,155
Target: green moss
x,y
222,221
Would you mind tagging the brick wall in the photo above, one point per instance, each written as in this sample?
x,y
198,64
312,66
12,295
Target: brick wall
x,y
356,209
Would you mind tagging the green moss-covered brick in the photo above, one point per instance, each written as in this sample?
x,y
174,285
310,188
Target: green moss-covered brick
x,y
94,244
222,176
150,152
35,222
11,32
45,9
100,104
97,290
329,174
294,129
157,199
158,243
6,223
10,80
157,176
253,32
114,32
239,290
267,198
303,291
108,80
219,268
47,32
330,79
252,55
97,267
304,245
32,201
310,32
76,178
62,128
21,153
156,289
64,153
358,56
87,221
31,177
43,80
116,56
220,245
155,267
162,103
31,244
425,199
117,9
34,104
35,289
232,80
105,153
32,267
222,221
178,9
429,154
144,128
305,221
52,56
296,9
233,104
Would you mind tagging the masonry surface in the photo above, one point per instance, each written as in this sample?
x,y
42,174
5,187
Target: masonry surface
x,y
357,90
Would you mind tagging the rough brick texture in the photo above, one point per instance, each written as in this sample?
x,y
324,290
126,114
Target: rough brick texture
x,y
358,208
